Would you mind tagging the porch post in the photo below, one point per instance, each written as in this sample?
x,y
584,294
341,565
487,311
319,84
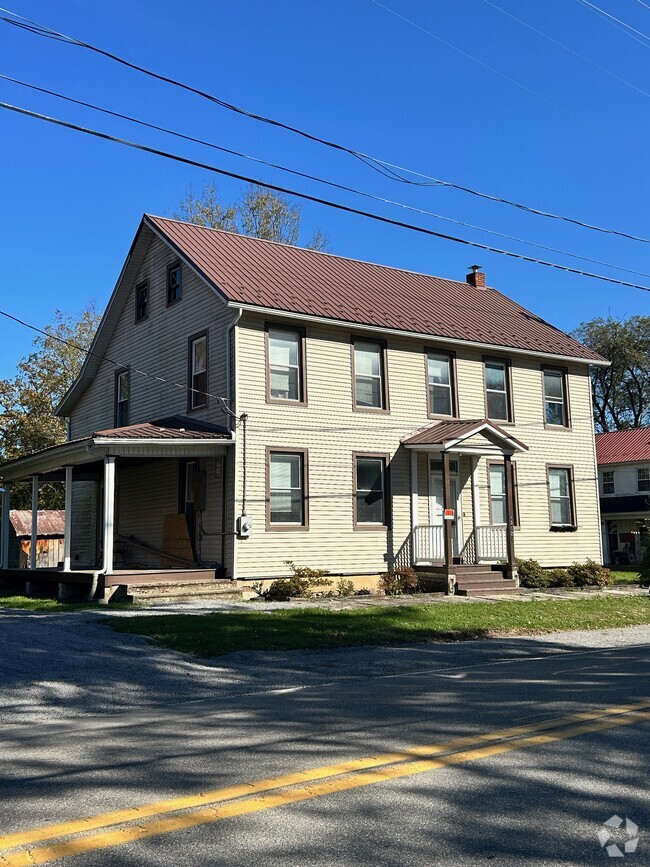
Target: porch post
x,y
4,544
476,507
447,504
109,512
510,536
414,506
67,538
34,538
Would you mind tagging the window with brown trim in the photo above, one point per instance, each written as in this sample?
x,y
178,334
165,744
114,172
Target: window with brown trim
x,y
369,375
441,383
498,397
285,365
286,501
371,491
497,493
122,398
142,300
198,371
174,283
556,402
561,497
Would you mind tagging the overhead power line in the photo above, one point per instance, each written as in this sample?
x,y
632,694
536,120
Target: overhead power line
x,y
384,167
334,184
318,200
620,25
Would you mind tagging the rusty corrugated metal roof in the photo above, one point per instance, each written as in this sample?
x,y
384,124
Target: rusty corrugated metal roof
x,y
292,279
442,432
621,446
176,427
51,522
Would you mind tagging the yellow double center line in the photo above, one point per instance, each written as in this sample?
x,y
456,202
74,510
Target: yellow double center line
x,y
238,800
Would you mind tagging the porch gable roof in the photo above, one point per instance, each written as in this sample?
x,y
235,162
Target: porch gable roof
x,y
446,435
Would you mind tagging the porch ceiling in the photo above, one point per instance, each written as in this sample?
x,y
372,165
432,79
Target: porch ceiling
x,y
447,436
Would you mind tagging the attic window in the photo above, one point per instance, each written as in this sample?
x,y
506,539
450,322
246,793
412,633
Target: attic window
x,y
142,300
174,283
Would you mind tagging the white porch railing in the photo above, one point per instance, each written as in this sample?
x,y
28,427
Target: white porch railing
x,y
491,542
428,543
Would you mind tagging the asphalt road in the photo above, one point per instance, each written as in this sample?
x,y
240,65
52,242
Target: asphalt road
x,y
157,754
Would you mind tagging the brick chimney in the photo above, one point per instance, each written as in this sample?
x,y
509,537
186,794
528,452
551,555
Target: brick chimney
x,y
476,277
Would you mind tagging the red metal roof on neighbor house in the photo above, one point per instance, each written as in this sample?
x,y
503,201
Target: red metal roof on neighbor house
x,y
620,446
176,427
441,432
51,522
292,279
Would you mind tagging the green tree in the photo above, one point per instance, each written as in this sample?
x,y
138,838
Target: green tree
x,y
28,400
621,392
259,212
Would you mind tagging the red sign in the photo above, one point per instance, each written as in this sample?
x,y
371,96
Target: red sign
x,y
449,514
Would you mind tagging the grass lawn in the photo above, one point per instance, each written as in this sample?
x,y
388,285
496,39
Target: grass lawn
x,y
9,600
210,635
628,576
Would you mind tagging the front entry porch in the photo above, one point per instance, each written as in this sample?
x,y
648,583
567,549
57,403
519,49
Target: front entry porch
x,y
463,506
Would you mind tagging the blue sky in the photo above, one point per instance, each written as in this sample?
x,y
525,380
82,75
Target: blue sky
x,y
551,130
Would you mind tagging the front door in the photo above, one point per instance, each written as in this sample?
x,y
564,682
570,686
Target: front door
x,y
436,505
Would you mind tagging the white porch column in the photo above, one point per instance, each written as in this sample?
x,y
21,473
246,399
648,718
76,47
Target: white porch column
x,y
4,542
109,512
34,538
476,506
67,539
414,504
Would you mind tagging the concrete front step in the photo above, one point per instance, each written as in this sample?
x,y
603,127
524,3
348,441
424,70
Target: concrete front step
x,y
487,588
492,591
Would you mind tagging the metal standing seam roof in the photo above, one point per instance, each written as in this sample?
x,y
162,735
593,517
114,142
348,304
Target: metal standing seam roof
x,y
176,428
50,522
442,432
621,446
281,277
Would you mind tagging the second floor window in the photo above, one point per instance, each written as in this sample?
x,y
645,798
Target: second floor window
x,y
369,363
608,482
122,389
198,372
497,390
440,384
643,480
555,398
561,497
142,301
174,283
285,365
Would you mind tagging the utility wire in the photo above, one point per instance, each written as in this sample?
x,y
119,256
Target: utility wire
x,y
384,167
320,201
319,180
630,31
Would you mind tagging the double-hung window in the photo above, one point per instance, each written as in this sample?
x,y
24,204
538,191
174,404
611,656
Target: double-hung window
x,y
287,484
369,372
643,480
497,488
498,399
561,497
285,365
174,283
371,491
556,410
440,384
142,300
198,371
122,394
608,482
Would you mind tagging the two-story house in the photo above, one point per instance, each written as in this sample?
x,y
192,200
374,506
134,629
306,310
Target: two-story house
x,y
624,476
246,403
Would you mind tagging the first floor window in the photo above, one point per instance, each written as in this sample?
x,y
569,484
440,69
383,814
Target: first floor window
x,y
498,506
369,375
370,493
285,374
122,389
286,472
198,372
560,485
555,398
608,482
440,382
643,480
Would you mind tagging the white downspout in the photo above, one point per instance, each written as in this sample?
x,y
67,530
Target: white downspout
x,y
231,395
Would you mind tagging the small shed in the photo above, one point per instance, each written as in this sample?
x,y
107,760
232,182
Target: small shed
x,y
49,542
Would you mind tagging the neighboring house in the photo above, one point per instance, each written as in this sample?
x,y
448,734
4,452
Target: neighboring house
x,y
50,532
246,403
624,478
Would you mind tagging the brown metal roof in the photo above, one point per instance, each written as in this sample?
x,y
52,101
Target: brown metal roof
x,y
292,279
176,427
620,446
51,522
442,432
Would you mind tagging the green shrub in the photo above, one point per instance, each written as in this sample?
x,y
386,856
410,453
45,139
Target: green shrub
x,y
558,578
589,574
531,574
344,588
399,581
301,583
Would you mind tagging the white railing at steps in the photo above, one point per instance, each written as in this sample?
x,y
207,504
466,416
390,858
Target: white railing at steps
x,y
428,543
491,543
